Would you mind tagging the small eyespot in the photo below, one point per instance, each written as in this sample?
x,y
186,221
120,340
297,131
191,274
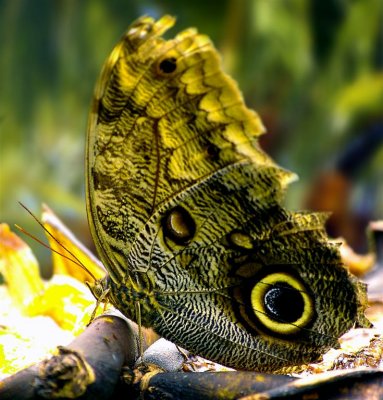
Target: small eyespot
x,y
248,269
212,152
179,226
240,240
168,65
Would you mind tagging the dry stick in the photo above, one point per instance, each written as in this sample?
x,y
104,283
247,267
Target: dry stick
x,y
208,385
351,384
89,367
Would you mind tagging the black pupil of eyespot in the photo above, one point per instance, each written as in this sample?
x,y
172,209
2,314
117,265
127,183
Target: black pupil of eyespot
x,y
168,65
283,303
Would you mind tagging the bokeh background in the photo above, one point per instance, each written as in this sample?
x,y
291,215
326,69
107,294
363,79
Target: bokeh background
x,y
313,70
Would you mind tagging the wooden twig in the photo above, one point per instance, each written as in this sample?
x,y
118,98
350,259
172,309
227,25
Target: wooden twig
x,y
89,367
208,385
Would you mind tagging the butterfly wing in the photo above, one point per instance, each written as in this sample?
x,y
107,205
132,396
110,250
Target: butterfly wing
x,y
185,210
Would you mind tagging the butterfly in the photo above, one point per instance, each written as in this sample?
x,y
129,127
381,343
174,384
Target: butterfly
x,y
185,211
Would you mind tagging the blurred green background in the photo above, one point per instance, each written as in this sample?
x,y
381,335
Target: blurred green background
x,y
313,69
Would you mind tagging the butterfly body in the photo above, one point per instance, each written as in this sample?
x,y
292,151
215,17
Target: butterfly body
x,y
185,210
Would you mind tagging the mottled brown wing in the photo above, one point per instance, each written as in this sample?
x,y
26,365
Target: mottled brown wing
x,y
186,213
164,117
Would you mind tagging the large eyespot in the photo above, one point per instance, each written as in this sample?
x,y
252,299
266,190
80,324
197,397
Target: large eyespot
x,y
179,226
281,303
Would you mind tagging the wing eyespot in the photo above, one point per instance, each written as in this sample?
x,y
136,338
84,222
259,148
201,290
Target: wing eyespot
x,y
277,304
240,240
281,304
179,226
212,152
167,66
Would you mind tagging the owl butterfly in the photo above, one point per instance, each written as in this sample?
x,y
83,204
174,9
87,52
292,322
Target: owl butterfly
x,y
185,211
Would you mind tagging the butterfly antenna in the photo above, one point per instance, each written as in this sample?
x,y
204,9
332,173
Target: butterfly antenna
x,y
74,260
45,245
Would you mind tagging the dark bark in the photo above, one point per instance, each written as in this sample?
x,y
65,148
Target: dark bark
x,y
88,368
208,385
99,365
359,384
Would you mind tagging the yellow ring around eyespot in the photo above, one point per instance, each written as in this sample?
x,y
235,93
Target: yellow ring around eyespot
x,y
257,295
